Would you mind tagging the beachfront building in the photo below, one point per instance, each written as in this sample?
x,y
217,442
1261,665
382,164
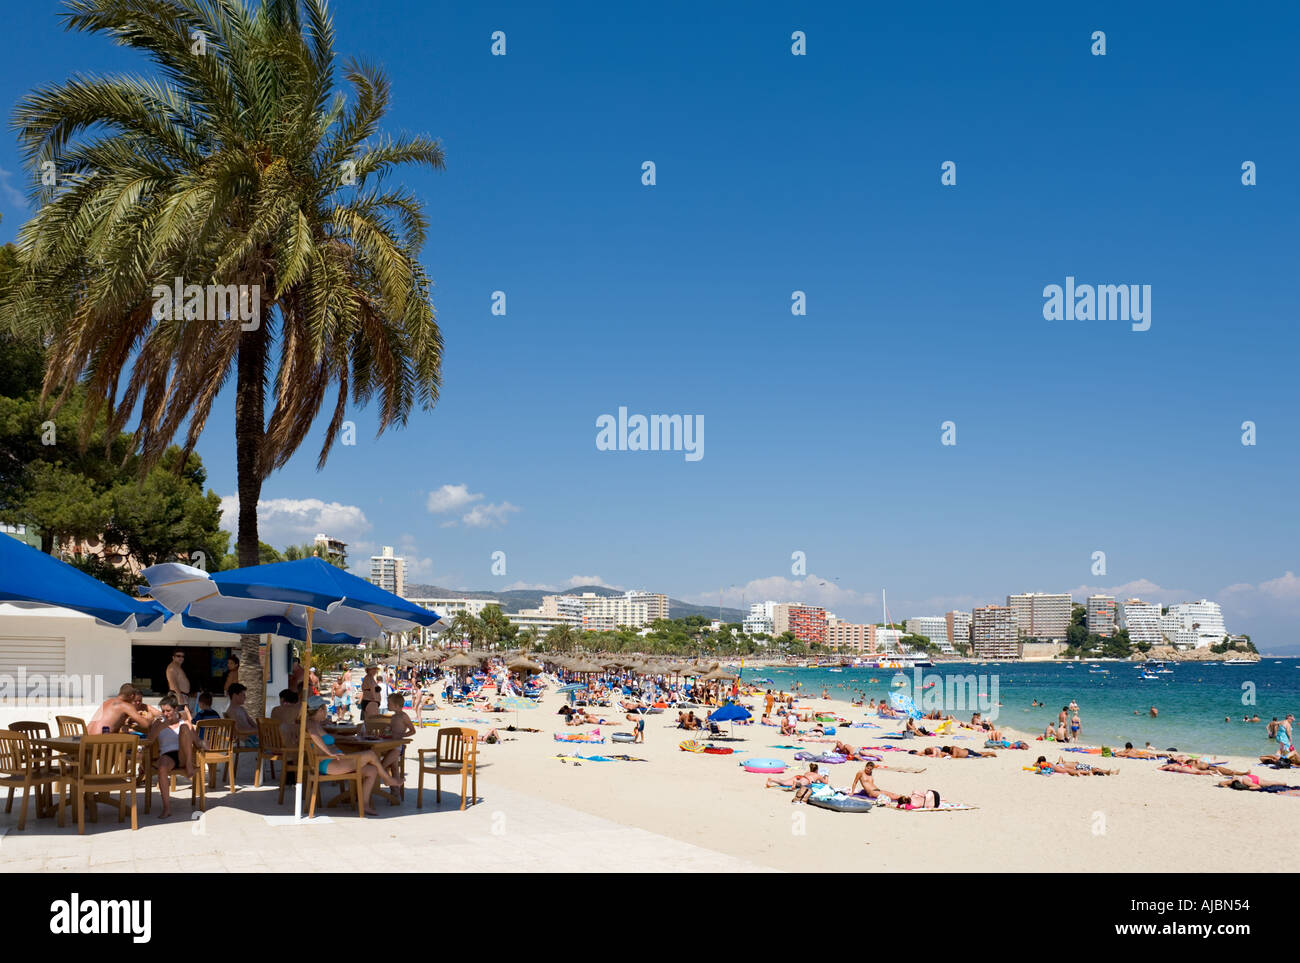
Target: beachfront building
x,y
759,619
849,637
780,617
808,623
1101,615
885,640
54,661
539,621
958,628
388,571
607,612
1142,620
993,632
447,609
933,627
1041,615
1193,625
335,549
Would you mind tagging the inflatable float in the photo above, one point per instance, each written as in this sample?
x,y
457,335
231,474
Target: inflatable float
x,y
841,803
578,737
622,737
763,765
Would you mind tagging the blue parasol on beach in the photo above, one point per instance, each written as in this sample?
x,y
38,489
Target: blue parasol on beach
x,y
730,713
29,577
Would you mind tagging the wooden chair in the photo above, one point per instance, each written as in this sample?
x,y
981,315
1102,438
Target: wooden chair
x,y
216,738
150,765
457,752
240,750
70,725
25,767
272,748
105,764
34,731
377,725
314,778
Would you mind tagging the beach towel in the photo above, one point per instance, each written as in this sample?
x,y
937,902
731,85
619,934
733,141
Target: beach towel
x,y
944,807
578,737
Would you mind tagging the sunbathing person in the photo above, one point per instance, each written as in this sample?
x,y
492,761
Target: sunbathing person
x,y
1204,766
1184,768
1072,768
1252,783
864,784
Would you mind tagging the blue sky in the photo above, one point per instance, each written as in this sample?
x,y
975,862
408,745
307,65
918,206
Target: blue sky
x,y
821,173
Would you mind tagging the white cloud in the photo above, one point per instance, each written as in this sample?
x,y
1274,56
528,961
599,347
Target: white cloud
x,y
812,590
292,521
450,498
576,580
529,586
1143,588
485,516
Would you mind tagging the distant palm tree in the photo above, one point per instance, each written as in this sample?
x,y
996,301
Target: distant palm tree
x,y
464,625
241,164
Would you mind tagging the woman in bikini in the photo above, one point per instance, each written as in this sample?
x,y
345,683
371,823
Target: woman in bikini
x,y
367,763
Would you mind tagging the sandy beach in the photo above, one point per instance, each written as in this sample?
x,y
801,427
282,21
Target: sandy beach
x,y
1138,820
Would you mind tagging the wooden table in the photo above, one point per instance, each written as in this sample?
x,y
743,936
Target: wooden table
x,y
69,746
355,744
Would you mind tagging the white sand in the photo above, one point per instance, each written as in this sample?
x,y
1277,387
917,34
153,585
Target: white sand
x,y
1140,819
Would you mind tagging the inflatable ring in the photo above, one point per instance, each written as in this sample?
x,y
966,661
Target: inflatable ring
x,y
690,745
841,803
763,765
622,737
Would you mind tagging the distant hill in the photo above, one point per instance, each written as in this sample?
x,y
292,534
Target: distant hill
x,y
516,599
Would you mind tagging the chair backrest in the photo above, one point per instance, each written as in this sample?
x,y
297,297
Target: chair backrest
x,y
109,754
380,724
15,752
70,725
270,735
217,735
33,730
456,745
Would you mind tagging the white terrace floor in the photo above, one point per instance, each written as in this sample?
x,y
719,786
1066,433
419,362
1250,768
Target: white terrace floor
x,y
506,832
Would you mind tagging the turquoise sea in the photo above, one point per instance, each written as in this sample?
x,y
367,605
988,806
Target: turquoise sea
x,y
1192,700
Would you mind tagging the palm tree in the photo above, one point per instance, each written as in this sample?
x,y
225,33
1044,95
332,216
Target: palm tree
x,y
465,625
242,164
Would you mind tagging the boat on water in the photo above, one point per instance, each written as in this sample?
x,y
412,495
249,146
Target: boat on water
x,y
1238,662
1099,672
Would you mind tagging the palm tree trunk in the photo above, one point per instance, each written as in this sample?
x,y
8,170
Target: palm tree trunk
x,y
250,424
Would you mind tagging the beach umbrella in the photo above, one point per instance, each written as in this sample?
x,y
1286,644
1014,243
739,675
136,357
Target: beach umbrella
x,y
730,713
461,661
29,577
304,596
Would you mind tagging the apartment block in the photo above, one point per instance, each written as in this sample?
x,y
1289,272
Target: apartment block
x,y
1142,620
388,571
993,632
808,623
958,626
1041,615
1101,615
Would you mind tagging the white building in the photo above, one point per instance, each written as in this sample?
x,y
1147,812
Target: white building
x,y
759,619
1194,624
885,641
388,571
933,627
993,632
446,609
1142,620
958,626
54,661
606,612
536,619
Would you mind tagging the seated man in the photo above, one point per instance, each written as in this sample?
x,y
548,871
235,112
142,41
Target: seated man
x,y
864,782
116,710
245,727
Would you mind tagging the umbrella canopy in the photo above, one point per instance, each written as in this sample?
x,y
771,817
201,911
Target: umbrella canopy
x,y
462,661
718,674
30,577
340,602
730,713
523,664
